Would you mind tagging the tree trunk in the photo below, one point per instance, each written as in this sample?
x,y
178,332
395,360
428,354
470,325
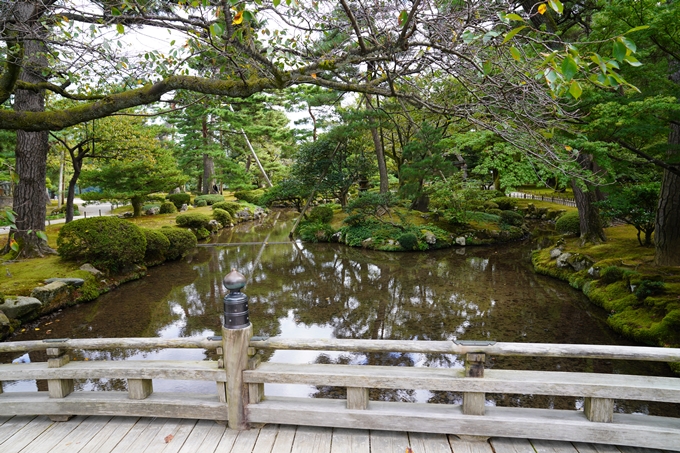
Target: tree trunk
x,y
137,204
379,152
208,173
30,196
667,230
589,216
77,167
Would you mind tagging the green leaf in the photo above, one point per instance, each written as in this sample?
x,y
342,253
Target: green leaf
x,y
120,28
550,76
569,68
488,36
403,16
575,89
641,27
14,246
512,33
556,5
513,16
619,51
277,3
515,53
631,60
468,36
248,16
41,235
488,67
628,43
115,11
216,29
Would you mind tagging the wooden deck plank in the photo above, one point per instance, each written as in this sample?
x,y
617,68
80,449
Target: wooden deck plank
x,y
245,442
4,418
77,439
266,439
227,441
26,433
179,436
642,450
153,438
110,435
459,445
46,440
510,445
196,437
284,439
311,439
551,446
389,441
429,443
595,448
126,443
12,425
212,439
350,441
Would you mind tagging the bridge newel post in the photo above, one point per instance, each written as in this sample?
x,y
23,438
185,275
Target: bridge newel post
x,y
58,388
473,402
236,333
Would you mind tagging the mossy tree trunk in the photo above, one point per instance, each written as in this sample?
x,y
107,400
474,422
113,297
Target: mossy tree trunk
x,y
667,230
585,196
137,204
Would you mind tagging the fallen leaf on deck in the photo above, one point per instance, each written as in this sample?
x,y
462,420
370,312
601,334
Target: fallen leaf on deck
x,y
168,438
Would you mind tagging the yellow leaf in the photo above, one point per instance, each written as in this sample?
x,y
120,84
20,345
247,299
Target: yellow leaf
x,y
313,76
568,148
542,8
238,18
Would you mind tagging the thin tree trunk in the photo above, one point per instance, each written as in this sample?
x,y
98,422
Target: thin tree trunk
x,y
589,216
379,152
667,230
77,167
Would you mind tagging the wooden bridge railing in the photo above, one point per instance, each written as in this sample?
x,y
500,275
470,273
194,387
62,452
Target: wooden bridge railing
x,y
248,403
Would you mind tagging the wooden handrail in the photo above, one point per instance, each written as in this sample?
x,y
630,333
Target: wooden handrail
x,y
110,343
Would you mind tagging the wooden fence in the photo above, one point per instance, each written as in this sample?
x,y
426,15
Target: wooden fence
x,y
240,379
563,200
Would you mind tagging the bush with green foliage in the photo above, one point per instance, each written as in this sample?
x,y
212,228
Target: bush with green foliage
x,y
611,274
569,223
179,199
210,199
168,208
200,203
251,196
408,241
505,203
635,205
222,216
157,246
108,243
649,288
193,220
512,218
230,206
181,241
489,205
369,206
496,212
322,213
315,231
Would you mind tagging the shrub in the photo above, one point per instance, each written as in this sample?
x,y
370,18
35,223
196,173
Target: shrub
x,y
611,274
194,220
179,199
315,231
505,203
168,208
105,242
496,212
511,217
200,203
569,223
210,199
408,241
323,214
222,216
488,205
649,288
251,196
157,246
181,241
230,206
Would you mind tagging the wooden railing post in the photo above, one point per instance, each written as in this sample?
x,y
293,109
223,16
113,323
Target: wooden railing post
x,y
58,388
236,333
473,402
599,409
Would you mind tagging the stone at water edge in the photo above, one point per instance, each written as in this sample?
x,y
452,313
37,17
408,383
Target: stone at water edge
x,y
16,307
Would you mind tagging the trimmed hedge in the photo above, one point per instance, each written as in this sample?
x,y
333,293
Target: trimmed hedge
x,y
322,213
194,220
230,206
251,196
210,199
179,199
505,203
168,208
108,243
181,241
157,246
408,241
222,216
569,223
512,218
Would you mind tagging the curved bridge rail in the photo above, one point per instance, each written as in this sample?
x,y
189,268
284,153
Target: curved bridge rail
x,y
242,383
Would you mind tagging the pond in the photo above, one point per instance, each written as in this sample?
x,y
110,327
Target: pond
x,y
333,291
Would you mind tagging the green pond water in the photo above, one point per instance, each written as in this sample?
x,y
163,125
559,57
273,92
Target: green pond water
x,y
333,291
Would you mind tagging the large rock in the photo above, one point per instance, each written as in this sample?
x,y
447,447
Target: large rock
x,y
55,294
152,211
430,238
554,253
20,307
5,325
75,282
460,240
563,260
579,262
87,267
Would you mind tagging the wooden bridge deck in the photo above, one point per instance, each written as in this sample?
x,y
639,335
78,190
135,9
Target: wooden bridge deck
x,y
84,434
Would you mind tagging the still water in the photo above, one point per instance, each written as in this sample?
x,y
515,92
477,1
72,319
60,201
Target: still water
x,y
332,291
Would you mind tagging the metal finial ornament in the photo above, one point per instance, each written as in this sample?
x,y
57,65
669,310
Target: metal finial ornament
x,y
234,280
236,314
